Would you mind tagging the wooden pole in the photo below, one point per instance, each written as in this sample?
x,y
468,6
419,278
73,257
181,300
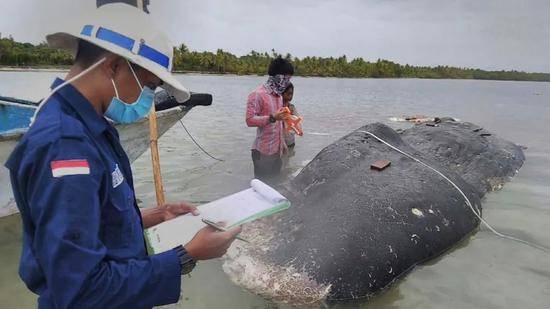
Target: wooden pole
x,y
139,4
153,140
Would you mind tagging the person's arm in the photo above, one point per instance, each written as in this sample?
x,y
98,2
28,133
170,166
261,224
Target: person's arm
x,y
253,109
66,213
157,215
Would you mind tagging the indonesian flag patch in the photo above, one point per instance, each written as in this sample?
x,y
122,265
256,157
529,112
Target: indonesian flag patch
x,y
70,167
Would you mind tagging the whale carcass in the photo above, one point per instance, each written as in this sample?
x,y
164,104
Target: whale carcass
x,y
352,231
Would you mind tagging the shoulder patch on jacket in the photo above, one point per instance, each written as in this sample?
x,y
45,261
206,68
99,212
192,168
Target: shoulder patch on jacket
x,y
62,168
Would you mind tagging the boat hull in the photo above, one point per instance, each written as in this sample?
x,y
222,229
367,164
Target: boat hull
x,y
134,138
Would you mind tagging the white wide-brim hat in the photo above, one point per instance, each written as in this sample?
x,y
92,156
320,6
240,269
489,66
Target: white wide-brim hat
x,y
130,33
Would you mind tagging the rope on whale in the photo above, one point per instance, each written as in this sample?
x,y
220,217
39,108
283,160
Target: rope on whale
x,y
476,212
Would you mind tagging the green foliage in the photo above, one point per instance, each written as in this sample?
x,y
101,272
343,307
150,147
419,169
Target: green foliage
x,y
13,53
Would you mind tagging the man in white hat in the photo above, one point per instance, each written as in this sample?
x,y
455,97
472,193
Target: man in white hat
x,y
83,244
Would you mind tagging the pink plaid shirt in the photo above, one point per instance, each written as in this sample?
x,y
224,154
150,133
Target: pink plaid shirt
x,y
269,136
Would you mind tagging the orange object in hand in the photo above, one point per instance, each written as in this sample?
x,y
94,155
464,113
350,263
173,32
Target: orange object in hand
x,y
292,122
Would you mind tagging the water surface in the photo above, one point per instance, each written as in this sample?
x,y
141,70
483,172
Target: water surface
x,y
483,272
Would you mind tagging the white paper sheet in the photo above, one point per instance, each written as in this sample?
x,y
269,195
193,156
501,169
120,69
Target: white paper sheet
x,y
259,200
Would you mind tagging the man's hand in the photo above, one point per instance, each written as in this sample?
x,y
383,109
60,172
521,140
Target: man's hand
x,y
281,114
154,216
210,243
170,211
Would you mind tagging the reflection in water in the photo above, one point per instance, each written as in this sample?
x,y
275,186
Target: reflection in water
x,y
482,272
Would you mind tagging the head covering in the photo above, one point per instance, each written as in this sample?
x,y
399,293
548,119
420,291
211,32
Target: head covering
x,y
278,84
128,32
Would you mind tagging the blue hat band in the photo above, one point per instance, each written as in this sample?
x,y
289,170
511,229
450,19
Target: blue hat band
x,y
127,43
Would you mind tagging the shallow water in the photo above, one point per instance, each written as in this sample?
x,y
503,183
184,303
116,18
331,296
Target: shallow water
x,y
483,272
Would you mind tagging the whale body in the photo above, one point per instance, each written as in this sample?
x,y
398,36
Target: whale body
x,y
352,231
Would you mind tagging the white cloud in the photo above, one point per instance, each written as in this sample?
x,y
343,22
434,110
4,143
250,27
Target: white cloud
x,y
491,34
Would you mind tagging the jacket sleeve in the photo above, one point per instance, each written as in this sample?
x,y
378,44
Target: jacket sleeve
x,y
65,209
253,110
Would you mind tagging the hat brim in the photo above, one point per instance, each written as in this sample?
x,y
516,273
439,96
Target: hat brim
x,y
173,87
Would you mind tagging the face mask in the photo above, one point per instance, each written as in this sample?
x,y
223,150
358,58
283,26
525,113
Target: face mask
x,y
121,112
278,83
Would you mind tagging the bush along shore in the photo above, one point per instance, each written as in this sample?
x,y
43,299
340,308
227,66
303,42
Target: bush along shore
x,y
14,55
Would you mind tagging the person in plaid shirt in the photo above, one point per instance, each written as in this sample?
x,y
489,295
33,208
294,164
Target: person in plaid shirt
x,y
264,111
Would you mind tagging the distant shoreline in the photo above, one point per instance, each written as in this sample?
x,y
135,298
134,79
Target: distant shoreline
x,y
66,69
20,57
33,69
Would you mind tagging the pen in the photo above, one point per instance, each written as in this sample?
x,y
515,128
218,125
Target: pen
x,y
221,228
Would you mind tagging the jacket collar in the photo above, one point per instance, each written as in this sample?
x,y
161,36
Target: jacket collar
x,y
82,107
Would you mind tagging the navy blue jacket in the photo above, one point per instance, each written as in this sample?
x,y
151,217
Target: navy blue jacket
x,y
83,244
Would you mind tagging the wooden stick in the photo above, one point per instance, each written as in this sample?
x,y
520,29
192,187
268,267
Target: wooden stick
x,y
153,140
139,4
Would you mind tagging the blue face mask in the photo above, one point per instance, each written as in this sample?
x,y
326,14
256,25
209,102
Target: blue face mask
x,y
121,112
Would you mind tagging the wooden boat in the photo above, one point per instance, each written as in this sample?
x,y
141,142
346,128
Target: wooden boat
x,y
15,116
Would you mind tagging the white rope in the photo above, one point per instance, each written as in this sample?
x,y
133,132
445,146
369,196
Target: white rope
x,y
476,213
79,75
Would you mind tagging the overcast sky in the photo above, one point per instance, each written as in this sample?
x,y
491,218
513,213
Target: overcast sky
x,y
488,34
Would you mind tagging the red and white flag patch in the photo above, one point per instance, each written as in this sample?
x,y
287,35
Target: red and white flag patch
x,y
69,167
